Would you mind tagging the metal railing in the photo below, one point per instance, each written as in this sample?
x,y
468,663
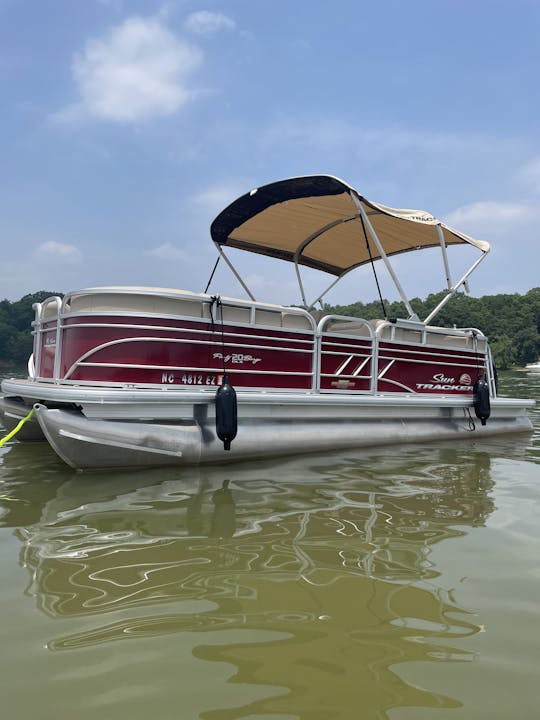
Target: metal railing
x,y
51,316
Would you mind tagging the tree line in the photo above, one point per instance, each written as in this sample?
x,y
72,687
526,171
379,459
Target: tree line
x,y
15,325
511,322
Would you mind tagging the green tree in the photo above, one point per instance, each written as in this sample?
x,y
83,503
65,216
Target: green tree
x,y
7,333
527,346
15,327
503,351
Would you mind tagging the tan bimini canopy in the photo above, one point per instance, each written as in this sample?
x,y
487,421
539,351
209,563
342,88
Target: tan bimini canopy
x,y
321,222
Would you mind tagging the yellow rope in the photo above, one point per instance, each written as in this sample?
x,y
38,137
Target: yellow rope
x,y
16,428
6,497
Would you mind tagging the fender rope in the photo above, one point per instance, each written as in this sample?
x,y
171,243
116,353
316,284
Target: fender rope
x,y
16,428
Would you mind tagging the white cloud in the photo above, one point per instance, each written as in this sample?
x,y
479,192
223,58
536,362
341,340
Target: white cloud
x,y
167,251
138,70
208,23
59,251
488,215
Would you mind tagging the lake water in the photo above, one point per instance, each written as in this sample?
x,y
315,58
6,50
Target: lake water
x,y
399,583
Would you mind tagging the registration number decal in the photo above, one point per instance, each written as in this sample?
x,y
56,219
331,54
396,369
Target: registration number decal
x,y
188,379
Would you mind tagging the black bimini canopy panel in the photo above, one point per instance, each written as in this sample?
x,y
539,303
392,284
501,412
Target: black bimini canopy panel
x,y
321,222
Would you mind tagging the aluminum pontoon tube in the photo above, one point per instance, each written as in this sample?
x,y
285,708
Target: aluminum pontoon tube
x,y
87,444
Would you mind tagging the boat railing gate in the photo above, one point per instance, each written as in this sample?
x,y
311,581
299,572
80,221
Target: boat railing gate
x,y
345,326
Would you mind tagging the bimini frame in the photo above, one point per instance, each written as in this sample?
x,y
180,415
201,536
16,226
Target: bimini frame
x,y
320,221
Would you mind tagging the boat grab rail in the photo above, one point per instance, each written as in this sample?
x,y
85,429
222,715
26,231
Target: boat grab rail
x,y
186,295
354,323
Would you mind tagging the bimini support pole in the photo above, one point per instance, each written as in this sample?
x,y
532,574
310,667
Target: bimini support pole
x,y
445,257
303,245
453,290
384,257
300,283
319,298
234,271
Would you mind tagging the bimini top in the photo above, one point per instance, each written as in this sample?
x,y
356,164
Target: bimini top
x,y
321,222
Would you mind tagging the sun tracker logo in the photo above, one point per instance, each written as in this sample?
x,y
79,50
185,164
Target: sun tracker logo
x,y
440,382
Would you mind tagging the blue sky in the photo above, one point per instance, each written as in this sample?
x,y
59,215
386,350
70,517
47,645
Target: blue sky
x,y
127,125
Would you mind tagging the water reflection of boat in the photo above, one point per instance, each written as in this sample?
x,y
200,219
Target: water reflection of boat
x,y
343,518
326,566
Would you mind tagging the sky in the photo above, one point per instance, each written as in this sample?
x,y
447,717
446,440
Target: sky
x,y
128,125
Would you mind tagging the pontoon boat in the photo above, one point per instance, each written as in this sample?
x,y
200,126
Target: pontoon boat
x,y
128,376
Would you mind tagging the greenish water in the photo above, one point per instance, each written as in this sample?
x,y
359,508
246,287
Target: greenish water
x,y
398,583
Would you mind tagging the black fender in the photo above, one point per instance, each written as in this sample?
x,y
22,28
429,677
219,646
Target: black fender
x,y
481,402
226,413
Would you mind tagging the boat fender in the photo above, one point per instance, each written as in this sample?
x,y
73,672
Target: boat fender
x,y
226,413
481,404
